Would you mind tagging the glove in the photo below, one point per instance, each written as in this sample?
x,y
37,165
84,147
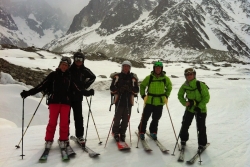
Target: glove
x,y
191,103
166,100
197,110
24,94
143,96
91,92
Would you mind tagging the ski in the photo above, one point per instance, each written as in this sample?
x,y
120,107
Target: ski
x,y
158,143
196,156
85,148
144,144
65,156
70,151
121,145
181,156
45,155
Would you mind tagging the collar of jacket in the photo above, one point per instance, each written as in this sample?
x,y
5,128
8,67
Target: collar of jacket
x,y
163,73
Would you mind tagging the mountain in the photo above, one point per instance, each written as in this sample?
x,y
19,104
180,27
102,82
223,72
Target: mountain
x,y
170,29
9,30
37,22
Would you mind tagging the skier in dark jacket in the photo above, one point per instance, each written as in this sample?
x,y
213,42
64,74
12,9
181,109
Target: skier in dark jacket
x,y
82,78
58,84
124,86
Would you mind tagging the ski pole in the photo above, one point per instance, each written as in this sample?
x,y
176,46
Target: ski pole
x,y
17,146
145,99
196,115
22,128
88,121
116,108
100,142
172,125
129,114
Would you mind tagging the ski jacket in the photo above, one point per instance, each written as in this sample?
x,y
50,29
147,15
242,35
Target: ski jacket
x,y
57,83
192,93
158,89
124,87
81,78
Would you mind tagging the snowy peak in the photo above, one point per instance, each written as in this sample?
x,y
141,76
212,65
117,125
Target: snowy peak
x,y
7,21
169,29
37,22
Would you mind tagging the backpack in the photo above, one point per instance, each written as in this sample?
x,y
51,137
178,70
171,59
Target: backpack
x,y
198,85
112,75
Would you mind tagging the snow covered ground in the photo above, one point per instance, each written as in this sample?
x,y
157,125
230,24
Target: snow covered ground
x,y
228,119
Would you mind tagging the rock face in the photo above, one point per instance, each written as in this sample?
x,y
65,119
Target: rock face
x,y
31,19
22,74
170,29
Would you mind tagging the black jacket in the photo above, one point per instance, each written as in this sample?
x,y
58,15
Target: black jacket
x,y
124,88
79,78
57,83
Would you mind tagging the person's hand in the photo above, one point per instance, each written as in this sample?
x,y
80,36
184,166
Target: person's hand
x,y
143,96
166,100
192,103
91,92
24,94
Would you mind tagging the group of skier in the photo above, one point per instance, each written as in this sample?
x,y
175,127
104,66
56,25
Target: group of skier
x,y
67,85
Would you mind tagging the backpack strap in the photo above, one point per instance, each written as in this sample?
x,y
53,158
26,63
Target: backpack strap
x,y
198,85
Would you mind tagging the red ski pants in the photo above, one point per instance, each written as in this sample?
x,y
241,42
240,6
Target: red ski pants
x,y
54,111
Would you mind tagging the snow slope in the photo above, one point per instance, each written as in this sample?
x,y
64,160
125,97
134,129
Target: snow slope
x,y
228,120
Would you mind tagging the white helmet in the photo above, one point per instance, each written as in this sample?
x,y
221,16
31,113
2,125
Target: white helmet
x,y
126,62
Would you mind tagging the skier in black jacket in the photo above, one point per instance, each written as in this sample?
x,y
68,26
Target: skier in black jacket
x,y
82,78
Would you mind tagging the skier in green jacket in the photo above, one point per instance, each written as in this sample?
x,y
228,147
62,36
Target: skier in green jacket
x,y
159,88
195,101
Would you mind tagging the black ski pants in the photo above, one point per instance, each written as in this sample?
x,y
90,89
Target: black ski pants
x,y
156,112
121,119
78,118
201,125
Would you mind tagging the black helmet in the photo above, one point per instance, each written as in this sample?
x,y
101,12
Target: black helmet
x,y
65,60
79,56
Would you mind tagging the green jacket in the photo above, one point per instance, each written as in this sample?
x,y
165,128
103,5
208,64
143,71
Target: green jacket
x,y
192,93
157,89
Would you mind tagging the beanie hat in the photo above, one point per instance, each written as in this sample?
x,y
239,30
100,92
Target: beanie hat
x,y
126,62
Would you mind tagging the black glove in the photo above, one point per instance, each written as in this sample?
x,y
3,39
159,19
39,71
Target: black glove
x,y
197,110
191,103
91,92
143,96
24,94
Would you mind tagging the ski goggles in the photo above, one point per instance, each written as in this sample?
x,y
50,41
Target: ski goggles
x,y
78,59
158,64
189,71
66,60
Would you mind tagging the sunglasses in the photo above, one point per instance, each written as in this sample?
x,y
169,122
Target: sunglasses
x,y
66,60
78,59
189,70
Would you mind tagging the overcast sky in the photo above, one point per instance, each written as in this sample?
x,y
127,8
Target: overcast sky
x,y
70,7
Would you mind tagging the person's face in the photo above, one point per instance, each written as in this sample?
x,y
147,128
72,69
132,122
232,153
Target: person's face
x,y
157,70
125,68
64,66
78,61
189,76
